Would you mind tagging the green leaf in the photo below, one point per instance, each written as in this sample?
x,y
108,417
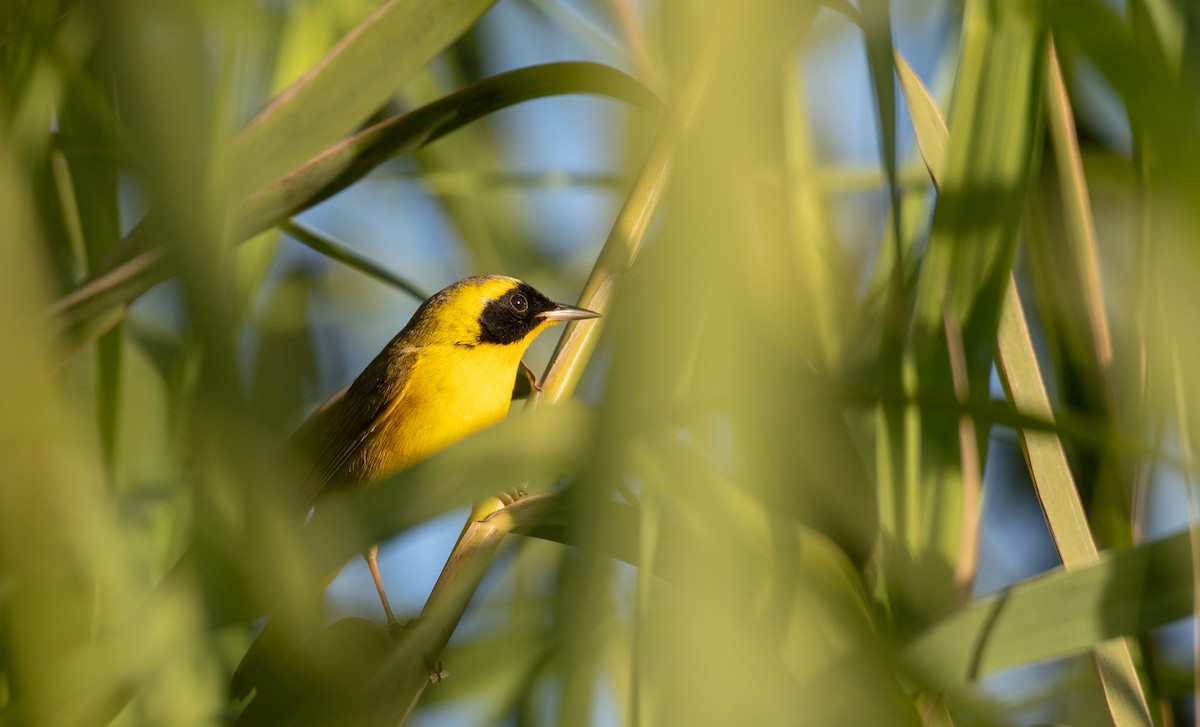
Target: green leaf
x,y
1048,465
928,124
994,137
348,161
994,125
877,28
350,83
1059,614
545,443
1157,98
1061,503
91,185
1064,260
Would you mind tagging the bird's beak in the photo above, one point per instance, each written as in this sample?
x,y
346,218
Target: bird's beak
x,y
562,312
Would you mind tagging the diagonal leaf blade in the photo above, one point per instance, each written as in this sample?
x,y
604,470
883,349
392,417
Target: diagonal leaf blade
x,y
350,83
1059,614
346,162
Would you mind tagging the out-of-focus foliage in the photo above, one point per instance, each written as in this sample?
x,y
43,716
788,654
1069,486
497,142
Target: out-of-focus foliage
x,y
777,500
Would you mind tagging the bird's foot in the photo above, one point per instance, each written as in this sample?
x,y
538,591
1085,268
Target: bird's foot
x,y
508,497
399,630
437,673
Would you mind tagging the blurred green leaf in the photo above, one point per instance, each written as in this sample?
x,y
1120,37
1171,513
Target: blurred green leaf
x,y
352,81
326,679
346,162
993,141
1157,98
877,27
285,362
994,124
540,444
94,181
1059,614
69,586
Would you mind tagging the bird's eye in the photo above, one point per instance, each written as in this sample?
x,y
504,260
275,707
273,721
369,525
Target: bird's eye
x,y
519,303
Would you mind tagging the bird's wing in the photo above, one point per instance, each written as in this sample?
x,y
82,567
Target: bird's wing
x,y
336,431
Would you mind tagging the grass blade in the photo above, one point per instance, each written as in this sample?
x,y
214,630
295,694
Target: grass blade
x,y
1060,502
930,127
1081,237
1064,261
346,256
348,161
1058,614
350,83
989,156
1022,379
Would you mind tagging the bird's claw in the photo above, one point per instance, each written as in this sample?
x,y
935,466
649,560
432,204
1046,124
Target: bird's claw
x,y
437,673
399,630
509,497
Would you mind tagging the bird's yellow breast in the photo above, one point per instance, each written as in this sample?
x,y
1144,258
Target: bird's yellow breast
x,y
451,392
446,374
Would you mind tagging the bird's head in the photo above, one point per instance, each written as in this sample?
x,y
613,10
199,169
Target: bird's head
x,y
490,310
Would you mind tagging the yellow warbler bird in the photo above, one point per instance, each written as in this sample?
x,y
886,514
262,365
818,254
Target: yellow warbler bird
x,y
448,373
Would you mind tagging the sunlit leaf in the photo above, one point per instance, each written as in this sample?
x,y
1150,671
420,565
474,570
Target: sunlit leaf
x,y
1059,614
351,82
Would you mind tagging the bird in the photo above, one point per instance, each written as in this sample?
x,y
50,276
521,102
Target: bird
x,y
449,372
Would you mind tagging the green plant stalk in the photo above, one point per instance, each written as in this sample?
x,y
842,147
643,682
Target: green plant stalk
x,y
972,471
619,251
968,258
351,259
477,546
931,130
481,536
806,190
473,553
933,149
1162,22
1189,471
649,521
625,239
1020,374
